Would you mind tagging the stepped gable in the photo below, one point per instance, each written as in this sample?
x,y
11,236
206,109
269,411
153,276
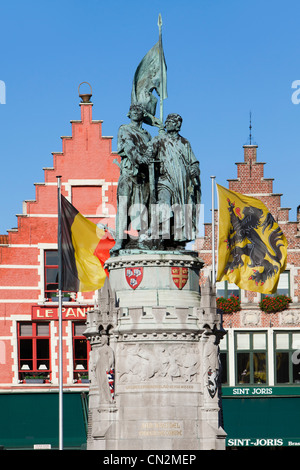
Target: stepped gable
x,y
89,179
251,181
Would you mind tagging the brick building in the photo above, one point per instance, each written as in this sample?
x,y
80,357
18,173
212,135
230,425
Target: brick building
x,y
260,353
28,293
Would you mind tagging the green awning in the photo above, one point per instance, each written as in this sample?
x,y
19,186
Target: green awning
x,y
33,418
269,421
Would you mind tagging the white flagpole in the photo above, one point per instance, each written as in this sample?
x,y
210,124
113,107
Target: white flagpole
x,y
213,230
60,365
161,101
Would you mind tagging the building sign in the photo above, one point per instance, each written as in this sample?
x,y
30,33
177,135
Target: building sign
x,y
261,415
262,391
68,313
263,442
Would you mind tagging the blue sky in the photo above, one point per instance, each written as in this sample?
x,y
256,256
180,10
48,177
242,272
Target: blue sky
x,y
224,59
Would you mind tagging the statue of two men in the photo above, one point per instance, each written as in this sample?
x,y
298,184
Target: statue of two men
x,y
160,179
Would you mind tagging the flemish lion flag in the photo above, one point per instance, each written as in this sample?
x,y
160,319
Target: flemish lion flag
x,y
85,248
252,248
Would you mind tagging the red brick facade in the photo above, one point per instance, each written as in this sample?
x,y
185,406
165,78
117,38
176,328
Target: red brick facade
x,y
89,178
250,181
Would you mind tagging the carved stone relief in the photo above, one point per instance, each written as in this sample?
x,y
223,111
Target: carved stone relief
x,y
170,363
289,317
250,318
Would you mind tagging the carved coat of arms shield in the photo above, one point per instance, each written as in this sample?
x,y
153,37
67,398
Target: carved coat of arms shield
x,y
180,276
134,276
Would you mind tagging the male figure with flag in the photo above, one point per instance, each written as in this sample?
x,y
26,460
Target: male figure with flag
x,y
133,184
252,249
136,186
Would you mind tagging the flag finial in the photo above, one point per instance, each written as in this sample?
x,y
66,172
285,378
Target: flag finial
x,y
159,23
250,141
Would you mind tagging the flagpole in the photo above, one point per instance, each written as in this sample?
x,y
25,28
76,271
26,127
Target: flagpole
x,y
161,101
60,365
213,230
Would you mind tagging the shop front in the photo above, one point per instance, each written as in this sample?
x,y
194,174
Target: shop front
x,y
30,420
261,416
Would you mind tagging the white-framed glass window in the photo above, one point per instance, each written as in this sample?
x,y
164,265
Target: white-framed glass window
x,y
81,351
287,357
251,357
226,289
283,287
34,351
224,358
51,277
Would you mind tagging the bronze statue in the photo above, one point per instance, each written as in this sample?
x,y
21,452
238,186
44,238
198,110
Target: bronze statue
x,y
178,188
159,189
133,185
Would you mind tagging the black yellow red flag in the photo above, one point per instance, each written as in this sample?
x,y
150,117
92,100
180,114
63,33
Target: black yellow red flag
x,y
85,248
252,249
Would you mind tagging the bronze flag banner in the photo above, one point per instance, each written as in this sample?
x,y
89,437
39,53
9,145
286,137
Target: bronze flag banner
x,y
148,77
252,248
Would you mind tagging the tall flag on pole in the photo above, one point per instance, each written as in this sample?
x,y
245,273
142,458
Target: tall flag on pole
x,y
85,248
252,248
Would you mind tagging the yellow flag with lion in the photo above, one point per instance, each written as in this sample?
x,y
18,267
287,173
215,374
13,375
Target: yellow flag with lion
x,y
252,249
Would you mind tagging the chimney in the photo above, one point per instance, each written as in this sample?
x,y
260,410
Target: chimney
x,y
86,104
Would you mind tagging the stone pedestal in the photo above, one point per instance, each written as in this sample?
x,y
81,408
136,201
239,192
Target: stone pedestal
x,y
156,339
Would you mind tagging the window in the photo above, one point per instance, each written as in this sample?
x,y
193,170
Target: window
x,y
51,273
51,276
283,287
81,349
226,289
224,360
287,367
251,358
34,351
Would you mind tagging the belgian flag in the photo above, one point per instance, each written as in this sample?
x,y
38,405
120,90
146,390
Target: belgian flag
x,y
85,248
